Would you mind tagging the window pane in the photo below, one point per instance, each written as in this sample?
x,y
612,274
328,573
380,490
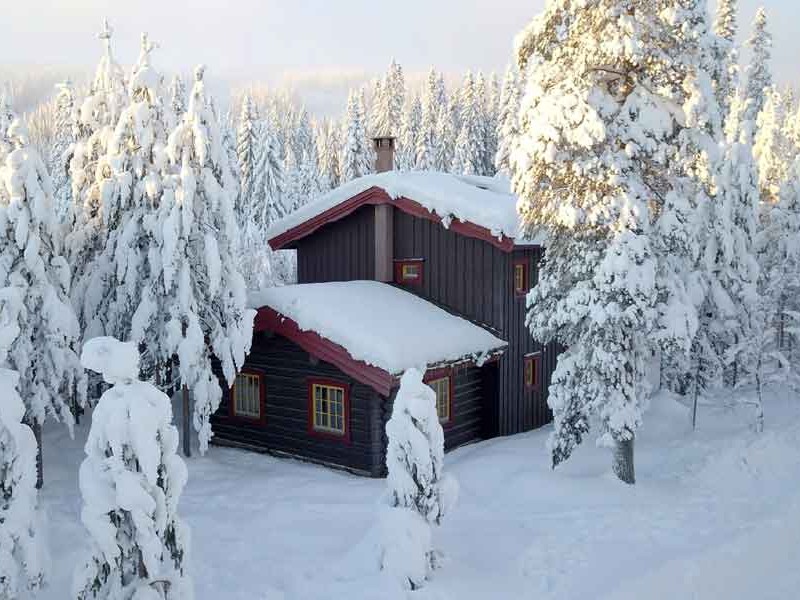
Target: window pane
x,y
328,408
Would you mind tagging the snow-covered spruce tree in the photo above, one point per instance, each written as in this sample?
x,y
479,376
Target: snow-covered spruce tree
x,y
409,136
772,149
725,67
357,153
246,152
37,277
388,105
267,207
66,128
194,307
779,259
484,125
418,493
492,123
131,481
611,130
21,566
427,140
446,134
469,155
757,75
507,120
177,102
87,224
137,160
329,146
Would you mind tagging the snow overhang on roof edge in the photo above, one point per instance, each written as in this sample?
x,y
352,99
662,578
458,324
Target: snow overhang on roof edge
x,y
376,196
380,380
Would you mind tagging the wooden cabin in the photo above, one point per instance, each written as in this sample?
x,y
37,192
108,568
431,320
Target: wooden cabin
x,y
395,270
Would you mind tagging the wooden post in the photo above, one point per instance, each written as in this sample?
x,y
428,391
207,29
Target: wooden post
x,y
187,424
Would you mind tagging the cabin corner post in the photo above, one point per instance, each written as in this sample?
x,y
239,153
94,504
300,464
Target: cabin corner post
x,y
384,243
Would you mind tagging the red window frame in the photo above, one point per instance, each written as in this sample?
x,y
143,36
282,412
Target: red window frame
x,y
533,360
409,262
435,374
521,292
320,433
262,406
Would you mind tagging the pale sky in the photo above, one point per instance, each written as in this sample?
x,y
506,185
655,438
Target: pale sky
x,y
243,39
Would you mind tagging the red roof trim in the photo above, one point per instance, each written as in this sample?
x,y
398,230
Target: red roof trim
x,y
267,319
375,196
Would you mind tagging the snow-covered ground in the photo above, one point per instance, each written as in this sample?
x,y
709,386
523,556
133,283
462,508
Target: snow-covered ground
x,y
715,514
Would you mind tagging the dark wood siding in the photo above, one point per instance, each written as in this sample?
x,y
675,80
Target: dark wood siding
x,y
460,273
287,369
471,389
473,278
522,409
341,251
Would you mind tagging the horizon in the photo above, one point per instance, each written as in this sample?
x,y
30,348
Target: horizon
x,y
253,44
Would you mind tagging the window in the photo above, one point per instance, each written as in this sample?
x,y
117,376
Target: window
x,y
532,370
521,278
247,397
442,386
328,407
408,272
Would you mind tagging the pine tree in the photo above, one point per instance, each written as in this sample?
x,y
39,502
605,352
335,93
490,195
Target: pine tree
x,y
246,151
89,219
390,100
177,102
66,127
470,150
772,148
137,159
507,120
409,136
419,494
725,73
357,153
492,124
37,278
779,260
758,77
605,169
21,565
446,134
195,306
428,138
268,182
329,146
486,156
131,480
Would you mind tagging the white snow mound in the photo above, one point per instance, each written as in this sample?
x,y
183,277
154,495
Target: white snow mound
x,y
379,324
117,361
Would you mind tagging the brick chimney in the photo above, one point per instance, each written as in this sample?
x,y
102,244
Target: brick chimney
x,y
384,154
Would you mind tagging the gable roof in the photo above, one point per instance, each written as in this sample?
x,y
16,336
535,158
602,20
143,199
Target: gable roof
x,y
372,331
481,207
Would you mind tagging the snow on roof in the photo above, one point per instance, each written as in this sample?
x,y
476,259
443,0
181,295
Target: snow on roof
x,y
483,201
379,324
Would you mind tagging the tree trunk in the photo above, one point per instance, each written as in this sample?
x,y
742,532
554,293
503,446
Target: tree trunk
x,y
759,399
37,433
187,424
623,461
696,395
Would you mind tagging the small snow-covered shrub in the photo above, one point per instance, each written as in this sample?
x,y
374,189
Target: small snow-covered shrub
x,y
418,494
20,559
131,481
